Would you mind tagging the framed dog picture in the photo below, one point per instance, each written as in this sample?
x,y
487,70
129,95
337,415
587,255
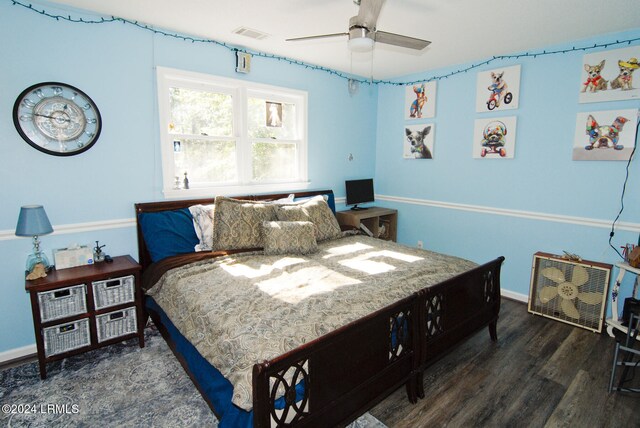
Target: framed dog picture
x,y
605,135
418,141
420,101
494,138
498,89
610,75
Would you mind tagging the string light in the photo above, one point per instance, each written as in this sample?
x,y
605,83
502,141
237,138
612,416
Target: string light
x,y
191,39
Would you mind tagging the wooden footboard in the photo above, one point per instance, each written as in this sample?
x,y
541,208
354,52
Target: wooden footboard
x,y
337,377
345,372
455,309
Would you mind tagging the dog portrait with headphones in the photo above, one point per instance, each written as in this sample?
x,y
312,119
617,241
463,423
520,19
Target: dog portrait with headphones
x,y
494,138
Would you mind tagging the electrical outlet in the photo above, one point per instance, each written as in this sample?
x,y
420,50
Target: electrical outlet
x,y
420,244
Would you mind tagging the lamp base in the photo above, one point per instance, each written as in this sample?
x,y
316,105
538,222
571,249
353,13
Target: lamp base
x,y
39,271
37,258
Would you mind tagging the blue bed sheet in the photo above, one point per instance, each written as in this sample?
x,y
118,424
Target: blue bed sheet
x,y
215,387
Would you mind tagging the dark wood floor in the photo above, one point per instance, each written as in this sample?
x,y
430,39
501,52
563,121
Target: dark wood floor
x,y
540,373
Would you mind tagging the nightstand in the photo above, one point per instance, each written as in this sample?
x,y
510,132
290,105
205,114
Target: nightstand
x,y
86,307
381,222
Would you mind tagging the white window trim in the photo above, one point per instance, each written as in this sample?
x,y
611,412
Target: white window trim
x,y
240,89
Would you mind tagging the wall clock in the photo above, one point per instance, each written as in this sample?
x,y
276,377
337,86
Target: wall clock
x,y
57,119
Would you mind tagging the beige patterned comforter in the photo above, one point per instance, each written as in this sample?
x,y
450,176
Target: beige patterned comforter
x,y
244,308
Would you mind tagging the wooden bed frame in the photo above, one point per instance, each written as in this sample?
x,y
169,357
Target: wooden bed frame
x,y
349,370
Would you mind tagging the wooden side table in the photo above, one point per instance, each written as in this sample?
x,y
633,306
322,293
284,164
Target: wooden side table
x,y
86,307
381,222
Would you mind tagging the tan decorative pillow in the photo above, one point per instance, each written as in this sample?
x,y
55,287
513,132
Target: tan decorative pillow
x,y
317,211
289,237
203,224
238,223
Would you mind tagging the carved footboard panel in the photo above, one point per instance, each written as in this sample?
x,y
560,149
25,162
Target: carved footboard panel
x,y
455,309
340,375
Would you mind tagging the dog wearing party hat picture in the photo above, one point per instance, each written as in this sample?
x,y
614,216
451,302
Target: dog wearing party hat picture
x,y
604,137
624,81
595,82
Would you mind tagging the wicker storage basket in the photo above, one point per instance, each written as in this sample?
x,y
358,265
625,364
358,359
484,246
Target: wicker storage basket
x,y
66,337
115,291
62,303
116,324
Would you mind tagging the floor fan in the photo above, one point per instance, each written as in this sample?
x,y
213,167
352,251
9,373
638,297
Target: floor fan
x,y
569,290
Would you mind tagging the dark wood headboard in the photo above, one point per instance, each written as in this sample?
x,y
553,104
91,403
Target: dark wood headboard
x,y
150,207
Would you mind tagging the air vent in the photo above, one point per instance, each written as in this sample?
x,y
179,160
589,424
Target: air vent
x,y
250,32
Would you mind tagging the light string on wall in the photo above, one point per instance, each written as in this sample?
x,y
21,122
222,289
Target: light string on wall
x,y
336,73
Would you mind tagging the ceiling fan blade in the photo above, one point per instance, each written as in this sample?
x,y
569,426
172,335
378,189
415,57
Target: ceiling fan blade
x,y
399,40
319,36
368,13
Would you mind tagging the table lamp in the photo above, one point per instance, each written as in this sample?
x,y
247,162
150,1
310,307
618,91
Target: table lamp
x,y
33,221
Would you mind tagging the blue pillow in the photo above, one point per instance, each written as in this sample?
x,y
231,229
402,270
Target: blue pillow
x,y
331,201
168,233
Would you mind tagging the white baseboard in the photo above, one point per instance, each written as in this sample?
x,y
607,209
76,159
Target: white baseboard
x,y
18,353
515,296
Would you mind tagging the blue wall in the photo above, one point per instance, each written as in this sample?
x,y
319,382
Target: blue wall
x,y
541,180
115,65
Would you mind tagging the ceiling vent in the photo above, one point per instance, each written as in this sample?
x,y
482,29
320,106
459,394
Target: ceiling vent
x,y
250,32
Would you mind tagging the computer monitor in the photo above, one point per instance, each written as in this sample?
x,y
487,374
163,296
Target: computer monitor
x,y
359,192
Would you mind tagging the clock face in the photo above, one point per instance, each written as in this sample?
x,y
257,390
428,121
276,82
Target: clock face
x,y
57,119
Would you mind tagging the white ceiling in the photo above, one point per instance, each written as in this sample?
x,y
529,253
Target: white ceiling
x,y
460,30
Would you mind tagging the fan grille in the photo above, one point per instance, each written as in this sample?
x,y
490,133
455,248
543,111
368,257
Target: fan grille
x,y
591,316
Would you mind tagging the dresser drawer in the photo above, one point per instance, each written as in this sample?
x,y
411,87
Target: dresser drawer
x,y
116,324
66,337
63,302
114,291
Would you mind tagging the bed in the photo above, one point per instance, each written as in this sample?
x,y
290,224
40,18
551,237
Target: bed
x,y
282,320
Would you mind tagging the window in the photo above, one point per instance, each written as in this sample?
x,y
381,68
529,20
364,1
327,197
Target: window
x,y
230,136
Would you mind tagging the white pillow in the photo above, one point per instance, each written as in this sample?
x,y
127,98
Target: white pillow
x,y
203,224
287,200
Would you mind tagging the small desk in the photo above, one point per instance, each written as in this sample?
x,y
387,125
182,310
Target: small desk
x,y
381,222
614,322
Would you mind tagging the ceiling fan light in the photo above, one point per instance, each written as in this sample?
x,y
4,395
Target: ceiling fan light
x,y
360,44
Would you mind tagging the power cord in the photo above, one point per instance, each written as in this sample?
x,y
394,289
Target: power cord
x,y
624,188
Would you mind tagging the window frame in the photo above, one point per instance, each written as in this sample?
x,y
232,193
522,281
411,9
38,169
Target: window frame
x,y
241,91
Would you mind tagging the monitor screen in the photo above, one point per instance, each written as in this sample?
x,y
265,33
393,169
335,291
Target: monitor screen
x,y
359,191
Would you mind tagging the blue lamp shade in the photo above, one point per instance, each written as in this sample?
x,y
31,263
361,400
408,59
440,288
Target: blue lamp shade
x,y
33,221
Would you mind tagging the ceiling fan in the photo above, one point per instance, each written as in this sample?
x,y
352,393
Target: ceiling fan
x,y
363,32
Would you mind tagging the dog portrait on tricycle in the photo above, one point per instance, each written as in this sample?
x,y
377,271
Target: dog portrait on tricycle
x,y
498,89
